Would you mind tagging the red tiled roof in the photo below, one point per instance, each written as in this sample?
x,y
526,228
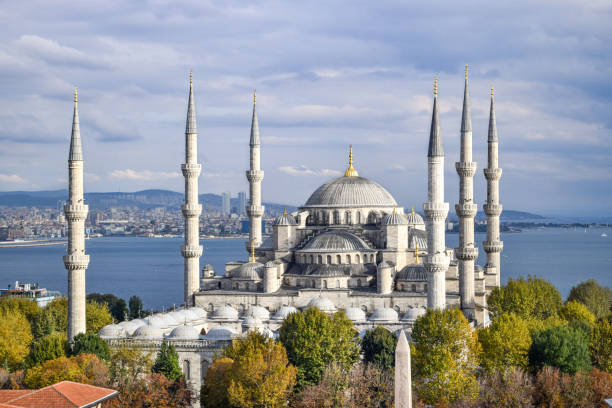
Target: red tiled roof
x,y
65,394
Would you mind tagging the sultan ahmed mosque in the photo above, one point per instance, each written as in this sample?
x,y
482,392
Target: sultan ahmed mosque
x,y
349,247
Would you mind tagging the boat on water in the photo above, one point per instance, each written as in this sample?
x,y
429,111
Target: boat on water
x,y
603,234
42,296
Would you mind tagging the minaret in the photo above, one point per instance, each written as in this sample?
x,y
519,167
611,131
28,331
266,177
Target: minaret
x,y
255,175
466,253
436,211
493,245
76,260
192,250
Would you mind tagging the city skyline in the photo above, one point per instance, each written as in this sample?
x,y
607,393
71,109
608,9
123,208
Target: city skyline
x,y
547,63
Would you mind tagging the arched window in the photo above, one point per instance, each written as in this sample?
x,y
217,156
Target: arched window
x,y
371,258
186,370
320,259
338,283
348,259
358,283
347,217
236,286
357,259
414,288
312,283
336,217
329,259
311,259
425,288
338,259
325,284
358,218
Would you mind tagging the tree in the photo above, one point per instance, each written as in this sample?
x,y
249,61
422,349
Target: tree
x,y
216,383
330,392
47,348
115,305
563,347
128,369
27,307
370,386
577,313
508,387
84,368
505,342
531,298
54,317
15,338
167,362
600,345
313,340
445,357
97,316
135,307
595,297
378,347
89,343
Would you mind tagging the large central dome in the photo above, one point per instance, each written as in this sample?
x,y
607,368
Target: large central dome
x,y
351,192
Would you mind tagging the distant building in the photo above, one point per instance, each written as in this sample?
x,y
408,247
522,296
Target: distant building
x,y
241,203
225,203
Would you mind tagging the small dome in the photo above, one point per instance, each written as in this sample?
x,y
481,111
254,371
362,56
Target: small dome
x,y
184,333
412,314
170,319
355,314
148,332
225,313
157,320
384,314
192,315
201,313
259,312
283,312
249,271
323,304
413,273
178,316
334,241
112,331
271,264
252,321
394,218
285,219
130,326
413,218
220,333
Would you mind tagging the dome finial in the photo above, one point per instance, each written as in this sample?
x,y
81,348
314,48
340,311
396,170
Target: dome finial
x,y
395,209
351,172
76,94
412,210
285,211
252,257
491,91
416,254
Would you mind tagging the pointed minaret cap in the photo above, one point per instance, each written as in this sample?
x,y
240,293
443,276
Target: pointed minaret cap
x,y
466,117
191,126
402,344
76,149
350,171
435,136
492,124
254,123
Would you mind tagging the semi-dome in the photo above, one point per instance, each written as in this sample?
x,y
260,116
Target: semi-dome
x,y
283,312
385,314
259,312
334,241
344,192
355,314
225,313
394,218
412,314
112,331
249,271
322,303
148,332
220,333
184,332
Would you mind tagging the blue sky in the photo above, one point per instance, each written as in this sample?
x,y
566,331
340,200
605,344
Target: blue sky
x,y
327,74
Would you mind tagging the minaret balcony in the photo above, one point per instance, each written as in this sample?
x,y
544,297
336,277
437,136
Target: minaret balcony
x,y
466,169
191,170
191,210
76,212
466,254
435,211
492,174
191,251
493,246
254,175
490,269
255,210
76,261
466,210
492,210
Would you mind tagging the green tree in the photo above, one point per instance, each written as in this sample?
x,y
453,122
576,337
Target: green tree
x,y
15,338
47,348
445,357
595,297
84,368
89,343
530,298
167,362
505,343
135,307
54,317
563,347
97,316
600,345
115,305
314,340
378,347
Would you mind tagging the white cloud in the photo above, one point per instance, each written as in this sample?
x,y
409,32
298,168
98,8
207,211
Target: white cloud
x,y
91,176
10,178
305,171
129,174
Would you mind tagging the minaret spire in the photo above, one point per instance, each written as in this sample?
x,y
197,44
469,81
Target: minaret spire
x,y
76,260
255,175
436,210
192,250
493,245
466,253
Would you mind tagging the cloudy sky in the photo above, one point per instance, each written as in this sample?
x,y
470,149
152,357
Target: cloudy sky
x,y
327,74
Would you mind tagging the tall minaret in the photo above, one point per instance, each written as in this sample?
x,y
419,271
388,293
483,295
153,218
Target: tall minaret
x,y
76,260
466,253
192,250
255,175
493,245
436,211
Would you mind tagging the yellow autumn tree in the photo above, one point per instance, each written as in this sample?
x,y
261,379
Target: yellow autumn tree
x,y
84,368
505,343
15,338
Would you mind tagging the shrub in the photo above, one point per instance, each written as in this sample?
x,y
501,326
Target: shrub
x,y
562,347
378,347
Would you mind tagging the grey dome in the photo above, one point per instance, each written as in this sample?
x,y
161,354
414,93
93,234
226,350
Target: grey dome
x,y
323,304
334,241
412,314
283,312
130,326
148,332
252,321
201,313
385,264
220,333
384,314
184,333
258,312
413,272
249,271
225,313
355,314
158,320
285,219
112,331
414,218
346,192
394,219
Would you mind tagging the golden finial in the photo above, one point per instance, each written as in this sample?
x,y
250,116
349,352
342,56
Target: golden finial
x,y
395,209
412,210
190,78
76,94
491,91
351,172
416,254
466,71
254,96
285,211
252,258
435,86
